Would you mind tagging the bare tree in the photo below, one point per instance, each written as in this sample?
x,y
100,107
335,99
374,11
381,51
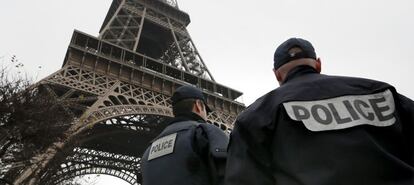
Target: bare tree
x,y
30,119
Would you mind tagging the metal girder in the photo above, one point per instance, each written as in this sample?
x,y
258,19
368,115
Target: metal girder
x,y
184,53
84,161
104,150
89,52
126,98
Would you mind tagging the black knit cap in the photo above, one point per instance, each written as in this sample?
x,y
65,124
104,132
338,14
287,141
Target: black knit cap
x,y
187,92
282,55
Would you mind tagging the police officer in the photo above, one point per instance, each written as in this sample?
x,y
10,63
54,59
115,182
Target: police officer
x,y
188,151
322,130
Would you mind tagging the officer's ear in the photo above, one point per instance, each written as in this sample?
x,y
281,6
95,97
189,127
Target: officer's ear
x,y
318,65
198,106
278,75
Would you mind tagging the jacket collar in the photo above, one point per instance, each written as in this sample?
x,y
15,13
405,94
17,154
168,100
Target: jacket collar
x,y
190,116
299,71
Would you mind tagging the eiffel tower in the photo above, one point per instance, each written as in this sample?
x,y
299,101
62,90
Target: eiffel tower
x,y
119,85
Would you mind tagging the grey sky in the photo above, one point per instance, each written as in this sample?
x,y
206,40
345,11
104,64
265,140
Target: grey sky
x,y
237,38
371,39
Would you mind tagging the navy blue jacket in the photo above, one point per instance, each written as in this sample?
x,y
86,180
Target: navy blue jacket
x,y
188,151
324,130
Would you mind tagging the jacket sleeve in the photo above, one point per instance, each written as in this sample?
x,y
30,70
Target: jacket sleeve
x,y
214,147
406,111
249,157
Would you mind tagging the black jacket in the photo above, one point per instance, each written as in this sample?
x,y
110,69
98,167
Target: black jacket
x,y
324,130
188,151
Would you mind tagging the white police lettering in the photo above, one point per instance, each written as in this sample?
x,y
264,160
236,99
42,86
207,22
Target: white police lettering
x,y
162,146
344,112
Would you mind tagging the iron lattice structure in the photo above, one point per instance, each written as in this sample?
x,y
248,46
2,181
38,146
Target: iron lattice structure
x,y
84,161
118,87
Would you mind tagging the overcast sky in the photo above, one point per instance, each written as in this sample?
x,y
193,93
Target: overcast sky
x,y
237,38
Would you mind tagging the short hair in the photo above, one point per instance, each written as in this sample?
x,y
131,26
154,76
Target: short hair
x,y
183,106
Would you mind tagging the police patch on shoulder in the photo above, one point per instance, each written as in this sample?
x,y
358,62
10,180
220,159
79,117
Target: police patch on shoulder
x,y
344,112
162,146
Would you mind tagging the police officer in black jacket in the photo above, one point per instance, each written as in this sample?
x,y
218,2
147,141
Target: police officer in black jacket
x,y
322,130
188,151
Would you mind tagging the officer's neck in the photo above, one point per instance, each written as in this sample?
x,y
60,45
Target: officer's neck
x,y
298,71
188,116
